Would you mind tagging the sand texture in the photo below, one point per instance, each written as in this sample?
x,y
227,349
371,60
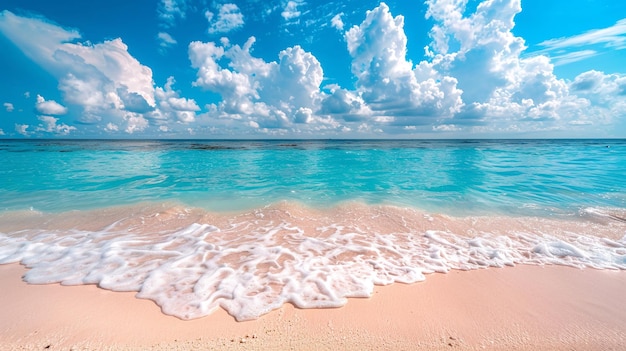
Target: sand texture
x,y
520,308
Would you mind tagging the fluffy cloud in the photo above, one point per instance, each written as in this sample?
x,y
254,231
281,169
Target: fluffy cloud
x,y
501,88
270,94
49,125
386,79
8,106
228,18
22,129
90,75
172,107
49,107
108,84
475,76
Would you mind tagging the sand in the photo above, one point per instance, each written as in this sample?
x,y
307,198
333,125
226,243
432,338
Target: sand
x,y
519,308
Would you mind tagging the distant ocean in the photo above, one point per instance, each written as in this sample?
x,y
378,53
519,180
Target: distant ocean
x,y
249,225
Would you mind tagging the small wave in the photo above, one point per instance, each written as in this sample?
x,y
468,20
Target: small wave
x,y
191,262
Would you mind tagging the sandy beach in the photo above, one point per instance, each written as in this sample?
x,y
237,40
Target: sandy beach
x,y
520,308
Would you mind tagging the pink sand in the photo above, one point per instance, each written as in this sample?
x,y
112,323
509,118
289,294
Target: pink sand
x,y
521,308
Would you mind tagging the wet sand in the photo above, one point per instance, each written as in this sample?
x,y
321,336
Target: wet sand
x,y
520,308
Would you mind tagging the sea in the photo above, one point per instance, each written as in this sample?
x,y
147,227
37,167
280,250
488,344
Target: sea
x,y
250,225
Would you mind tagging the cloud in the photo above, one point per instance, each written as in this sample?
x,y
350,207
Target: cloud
x,y
502,90
291,11
575,56
172,107
169,10
49,125
386,80
262,94
22,129
228,18
8,106
49,107
166,40
109,85
613,37
90,75
336,22
2,132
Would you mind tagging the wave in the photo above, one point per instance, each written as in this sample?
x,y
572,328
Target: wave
x,y
191,261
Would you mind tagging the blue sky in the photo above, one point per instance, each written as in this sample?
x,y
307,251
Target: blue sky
x,y
312,69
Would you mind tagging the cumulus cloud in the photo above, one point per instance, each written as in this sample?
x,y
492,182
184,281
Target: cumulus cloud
x,y
49,107
501,88
90,75
8,106
50,125
386,80
109,85
2,132
270,94
476,76
22,129
228,18
172,107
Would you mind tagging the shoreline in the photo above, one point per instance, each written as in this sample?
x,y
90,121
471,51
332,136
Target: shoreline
x,y
518,308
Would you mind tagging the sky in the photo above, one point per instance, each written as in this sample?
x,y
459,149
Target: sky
x,y
313,69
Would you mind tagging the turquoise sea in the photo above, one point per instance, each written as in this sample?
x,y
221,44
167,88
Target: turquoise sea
x,y
539,177
248,225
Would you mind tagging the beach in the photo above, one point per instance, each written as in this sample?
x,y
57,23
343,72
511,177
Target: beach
x,y
316,245
513,308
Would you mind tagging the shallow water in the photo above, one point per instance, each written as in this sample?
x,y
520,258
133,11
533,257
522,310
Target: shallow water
x,y
251,225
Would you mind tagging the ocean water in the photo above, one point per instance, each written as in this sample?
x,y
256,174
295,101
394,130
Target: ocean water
x,y
251,225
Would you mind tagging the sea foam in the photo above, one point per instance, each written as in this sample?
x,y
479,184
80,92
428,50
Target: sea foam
x,y
191,262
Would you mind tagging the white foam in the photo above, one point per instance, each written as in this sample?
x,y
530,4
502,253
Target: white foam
x,y
191,262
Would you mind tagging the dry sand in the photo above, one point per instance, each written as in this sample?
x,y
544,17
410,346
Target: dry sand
x,y
521,308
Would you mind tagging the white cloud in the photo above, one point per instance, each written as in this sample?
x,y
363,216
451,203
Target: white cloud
x,y
563,59
172,106
270,94
228,18
503,91
110,85
613,37
8,106
166,40
50,126
135,123
336,21
291,11
2,132
169,10
101,78
22,129
110,127
445,128
49,107
386,80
